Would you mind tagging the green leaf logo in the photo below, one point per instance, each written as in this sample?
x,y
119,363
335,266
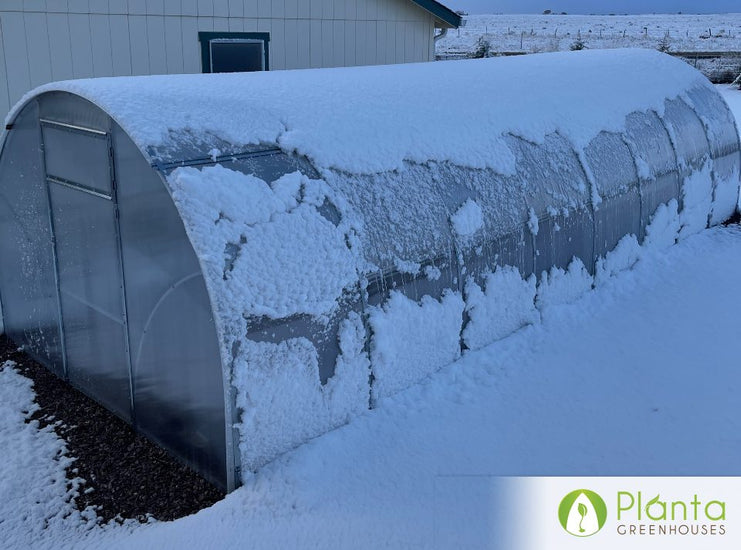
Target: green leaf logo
x,y
582,513
652,502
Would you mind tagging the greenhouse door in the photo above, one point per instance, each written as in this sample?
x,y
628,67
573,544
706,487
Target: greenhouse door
x,y
91,294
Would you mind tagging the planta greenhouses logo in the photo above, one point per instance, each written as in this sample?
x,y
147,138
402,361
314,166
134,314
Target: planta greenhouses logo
x,y
582,513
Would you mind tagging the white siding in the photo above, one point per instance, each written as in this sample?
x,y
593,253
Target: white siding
x,y
156,44
278,44
327,44
78,6
250,9
221,24
138,45
13,5
44,40
37,42
174,45
60,46
100,30
291,49
221,8
351,41
303,34
117,7
189,7
16,55
236,8
316,49
82,49
4,99
191,47
36,5
57,6
121,45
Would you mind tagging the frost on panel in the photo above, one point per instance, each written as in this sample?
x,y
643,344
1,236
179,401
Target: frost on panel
x,y
505,304
622,257
532,222
468,219
561,286
268,251
399,231
412,340
697,197
663,229
725,196
282,400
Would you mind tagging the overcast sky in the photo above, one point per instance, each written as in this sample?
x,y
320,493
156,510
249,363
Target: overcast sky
x,y
595,6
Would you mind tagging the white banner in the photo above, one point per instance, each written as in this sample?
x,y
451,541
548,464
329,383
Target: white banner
x,y
564,513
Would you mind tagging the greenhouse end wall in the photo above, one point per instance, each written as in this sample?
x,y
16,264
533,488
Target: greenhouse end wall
x,y
109,294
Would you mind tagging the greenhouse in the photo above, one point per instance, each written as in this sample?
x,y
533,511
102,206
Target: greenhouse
x,y
237,263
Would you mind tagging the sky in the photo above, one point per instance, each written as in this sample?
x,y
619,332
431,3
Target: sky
x,y
594,6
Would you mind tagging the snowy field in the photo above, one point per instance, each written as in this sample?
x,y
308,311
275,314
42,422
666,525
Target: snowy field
x,y
637,377
546,33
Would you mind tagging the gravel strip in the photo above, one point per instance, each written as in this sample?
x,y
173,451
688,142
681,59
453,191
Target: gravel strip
x,y
126,476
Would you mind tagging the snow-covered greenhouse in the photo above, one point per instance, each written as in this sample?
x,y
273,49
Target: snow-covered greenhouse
x,y
236,263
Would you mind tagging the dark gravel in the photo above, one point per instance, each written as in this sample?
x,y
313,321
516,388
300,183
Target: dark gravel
x,y
126,476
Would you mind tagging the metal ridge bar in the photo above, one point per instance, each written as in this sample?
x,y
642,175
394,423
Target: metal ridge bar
x,y
78,187
165,166
49,122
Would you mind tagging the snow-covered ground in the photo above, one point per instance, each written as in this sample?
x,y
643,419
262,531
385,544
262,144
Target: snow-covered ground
x,y
645,367
637,377
543,33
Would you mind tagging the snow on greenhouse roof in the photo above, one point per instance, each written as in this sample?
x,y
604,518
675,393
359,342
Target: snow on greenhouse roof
x,y
372,119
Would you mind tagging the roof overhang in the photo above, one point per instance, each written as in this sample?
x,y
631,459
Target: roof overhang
x,y
445,18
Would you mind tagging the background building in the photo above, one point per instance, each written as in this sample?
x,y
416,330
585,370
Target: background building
x,y
47,40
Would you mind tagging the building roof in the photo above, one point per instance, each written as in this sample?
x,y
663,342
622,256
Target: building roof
x,y
446,17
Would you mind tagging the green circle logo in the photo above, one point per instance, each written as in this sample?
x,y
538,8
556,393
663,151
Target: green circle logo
x,y
582,513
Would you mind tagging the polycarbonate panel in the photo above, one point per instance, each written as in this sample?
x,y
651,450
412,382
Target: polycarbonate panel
x,y
432,279
726,173
77,156
501,198
271,166
398,226
613,168
178,390
87,249
611,164
656,163
323,335
92,296
718,120
186,146
178,381
71,109
27,281
551,173
561,238
616,217
514,248
96,355
650,144
690,141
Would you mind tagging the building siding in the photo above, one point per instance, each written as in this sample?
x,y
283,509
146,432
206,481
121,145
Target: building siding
x,y
46,40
